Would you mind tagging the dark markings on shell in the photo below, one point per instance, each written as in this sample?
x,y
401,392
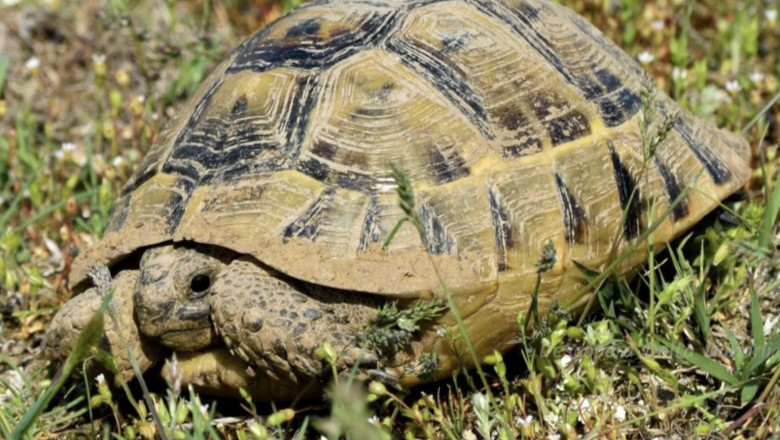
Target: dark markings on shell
x,y
239,107
628,195
715,168
531,146
314,168
308,224
502,228
370,232
574,218
301,109
629,101
524,22
444,77
545,103
673,189
324,149
308,28
178,203
119,215
437,240
591,88
355,181
447,164
566,128
308,50
608,79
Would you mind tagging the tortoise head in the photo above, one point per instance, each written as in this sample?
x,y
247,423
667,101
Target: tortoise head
x,y
171,295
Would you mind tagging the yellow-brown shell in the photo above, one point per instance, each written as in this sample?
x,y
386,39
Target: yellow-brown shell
x,y
516,122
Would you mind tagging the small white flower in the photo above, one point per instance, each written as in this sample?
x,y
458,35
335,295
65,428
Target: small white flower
x,y
119,160
679,74
469,435
524,421
32,63
771,14
756,77
565,360
658,25
551,419
620,413
68,146
98,58
441,332
553,437
373,419
733,86
204,409
584,409
645,57
100,379
59,154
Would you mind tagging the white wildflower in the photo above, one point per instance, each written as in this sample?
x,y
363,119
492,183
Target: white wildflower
x,y
373,419
733,86
59,154
100,379
645,57
620,413
441,332
756,77
584,409
98,58
32,63
771,15
553,437
551,419
679,74
524,421
204,409
68,146
565,360
658,25
118,161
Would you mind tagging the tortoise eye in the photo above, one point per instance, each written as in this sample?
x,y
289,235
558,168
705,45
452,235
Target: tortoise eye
x,y
199,285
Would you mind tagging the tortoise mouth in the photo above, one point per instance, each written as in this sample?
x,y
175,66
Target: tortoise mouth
x,y
191,339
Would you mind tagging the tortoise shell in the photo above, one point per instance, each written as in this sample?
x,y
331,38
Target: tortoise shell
x,y
515,121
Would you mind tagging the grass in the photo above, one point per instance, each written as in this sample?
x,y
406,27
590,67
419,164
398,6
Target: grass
x,y
689,348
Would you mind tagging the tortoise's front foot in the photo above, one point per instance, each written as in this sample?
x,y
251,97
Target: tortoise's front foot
x,y
71,319
281,328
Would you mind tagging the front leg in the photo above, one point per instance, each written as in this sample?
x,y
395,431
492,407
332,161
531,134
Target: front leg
x,y
76,313
276,324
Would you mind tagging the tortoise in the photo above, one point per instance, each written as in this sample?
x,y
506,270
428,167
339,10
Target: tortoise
x,y
252,232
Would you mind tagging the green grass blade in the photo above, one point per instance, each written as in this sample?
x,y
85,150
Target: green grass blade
x,y
761,113
770,215
760,356
88,337
701,314
756,322
739,356
713,368
5,62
